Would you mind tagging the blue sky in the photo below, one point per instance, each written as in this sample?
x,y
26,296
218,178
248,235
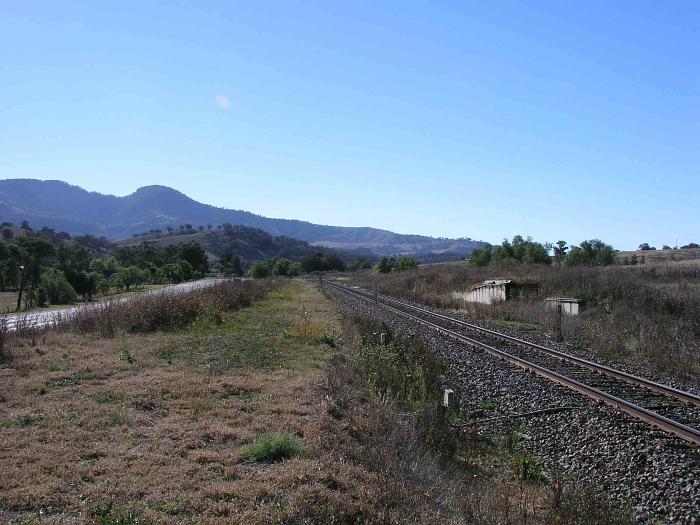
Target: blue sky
x,y
560,120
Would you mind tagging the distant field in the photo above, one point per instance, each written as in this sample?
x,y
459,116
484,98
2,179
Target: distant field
x,y
659,256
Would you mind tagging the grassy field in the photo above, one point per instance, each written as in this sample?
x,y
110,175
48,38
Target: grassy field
x,y
154,428
272,412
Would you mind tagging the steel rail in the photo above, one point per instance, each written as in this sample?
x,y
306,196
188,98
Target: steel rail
x,y
666,390
650,417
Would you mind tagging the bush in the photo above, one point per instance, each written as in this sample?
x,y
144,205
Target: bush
x,y
260,270
385,265
481,256
54,288
270,449
405,262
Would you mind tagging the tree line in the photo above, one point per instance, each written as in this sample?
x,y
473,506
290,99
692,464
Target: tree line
x,y
592,252
49,267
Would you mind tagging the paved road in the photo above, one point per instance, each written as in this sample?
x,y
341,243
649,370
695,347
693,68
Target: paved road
x,y
41,319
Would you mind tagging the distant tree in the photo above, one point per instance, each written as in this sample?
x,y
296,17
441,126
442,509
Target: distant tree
x,y
560,249
333,263
128,277
591,253
480,256
195,256
690,245
645,246
405,262
185,269
236,267
85,283
25,226
33,253
385,265
295,269
54,288
171,273
201,228
170,229
11,257
313,263
280,267
259,270
666,247
7,233
359,264
209,226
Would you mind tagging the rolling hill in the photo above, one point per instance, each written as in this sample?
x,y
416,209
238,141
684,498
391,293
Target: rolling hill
x,y
70,208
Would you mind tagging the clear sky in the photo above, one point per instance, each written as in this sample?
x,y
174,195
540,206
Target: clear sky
x,y
560,120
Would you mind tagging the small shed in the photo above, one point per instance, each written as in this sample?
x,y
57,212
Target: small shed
x,y
569,305
488,292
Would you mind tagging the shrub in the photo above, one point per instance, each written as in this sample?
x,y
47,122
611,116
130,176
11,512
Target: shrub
x,y
54,288
260,270
481,256
270,449
385,265
404,262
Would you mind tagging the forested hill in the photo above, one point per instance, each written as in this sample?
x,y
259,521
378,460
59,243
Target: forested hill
x,y
250,244
72,209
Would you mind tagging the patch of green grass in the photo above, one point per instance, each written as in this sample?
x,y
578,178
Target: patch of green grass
x,y
30,420
106,398
528,468
522,326
108,514
270,449
125,355
166,353
327,338
116,418
70,380
261,336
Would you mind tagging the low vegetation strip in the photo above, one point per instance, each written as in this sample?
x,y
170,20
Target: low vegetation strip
x,y
644,316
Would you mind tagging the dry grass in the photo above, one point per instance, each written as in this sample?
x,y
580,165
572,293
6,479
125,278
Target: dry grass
x,y
88,435
158,428
647,315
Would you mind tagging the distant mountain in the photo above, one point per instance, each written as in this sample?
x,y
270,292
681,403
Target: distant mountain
x,y
72,209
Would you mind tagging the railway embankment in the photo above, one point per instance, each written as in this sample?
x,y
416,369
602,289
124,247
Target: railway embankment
x,y
569,434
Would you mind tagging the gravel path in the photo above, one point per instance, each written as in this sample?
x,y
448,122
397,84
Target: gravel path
x,y
658,474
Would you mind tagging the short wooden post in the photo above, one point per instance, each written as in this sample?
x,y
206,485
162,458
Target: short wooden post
x,y
560,336
448,399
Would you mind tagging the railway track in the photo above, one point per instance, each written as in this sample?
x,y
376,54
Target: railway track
x,y
661,406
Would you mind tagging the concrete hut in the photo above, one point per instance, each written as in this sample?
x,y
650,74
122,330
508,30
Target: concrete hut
x,y
488,292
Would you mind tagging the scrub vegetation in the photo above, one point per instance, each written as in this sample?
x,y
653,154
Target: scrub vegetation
x,y
646,315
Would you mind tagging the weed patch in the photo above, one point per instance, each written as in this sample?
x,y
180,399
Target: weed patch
x,y
270,449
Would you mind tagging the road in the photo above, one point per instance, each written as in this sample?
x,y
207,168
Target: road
x,y
41,319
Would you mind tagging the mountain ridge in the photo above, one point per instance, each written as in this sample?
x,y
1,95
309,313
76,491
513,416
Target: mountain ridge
x,y
70,208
